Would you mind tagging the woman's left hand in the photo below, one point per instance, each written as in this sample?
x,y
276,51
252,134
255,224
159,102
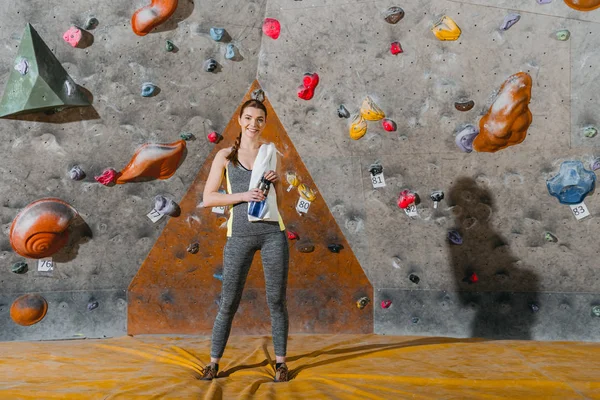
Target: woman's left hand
x,y
271,176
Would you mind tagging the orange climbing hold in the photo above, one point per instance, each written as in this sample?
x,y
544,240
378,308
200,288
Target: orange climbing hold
x,y
583,5
156,161
147,18
28,309
508,119
40,229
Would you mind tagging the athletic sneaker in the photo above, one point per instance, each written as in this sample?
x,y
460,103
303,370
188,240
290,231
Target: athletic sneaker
x,y
281,375
210,372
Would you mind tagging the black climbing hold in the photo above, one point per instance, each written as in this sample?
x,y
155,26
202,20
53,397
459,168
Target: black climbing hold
x,y
335,248
394,14
210,65
362,302
91,23
414,278
20,267
343,112
258,94
414,320
376,168
305,248
534,307
193,248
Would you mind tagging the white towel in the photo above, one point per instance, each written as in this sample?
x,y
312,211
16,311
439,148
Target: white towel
x,y
266,160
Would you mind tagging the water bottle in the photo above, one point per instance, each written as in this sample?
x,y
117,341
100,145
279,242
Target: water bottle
x,y
258,208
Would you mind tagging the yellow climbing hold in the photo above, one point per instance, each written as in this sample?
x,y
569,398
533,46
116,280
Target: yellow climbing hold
x,y
446,29
306,192
358,127
371,111
292,180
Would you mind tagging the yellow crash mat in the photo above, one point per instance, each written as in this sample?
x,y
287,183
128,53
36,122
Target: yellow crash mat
x,y
321,366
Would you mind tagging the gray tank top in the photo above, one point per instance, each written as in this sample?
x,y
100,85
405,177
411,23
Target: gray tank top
x,y
239,179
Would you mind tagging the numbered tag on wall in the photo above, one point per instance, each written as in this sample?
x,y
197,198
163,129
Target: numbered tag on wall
x,y
154,216
45,265
303,205
411,210
580,210
219,210
378,180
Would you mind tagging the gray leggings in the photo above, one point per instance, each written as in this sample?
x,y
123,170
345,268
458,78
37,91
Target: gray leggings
x,y
237,258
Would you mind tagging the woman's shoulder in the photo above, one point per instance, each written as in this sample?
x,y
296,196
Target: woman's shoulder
x,y
223,153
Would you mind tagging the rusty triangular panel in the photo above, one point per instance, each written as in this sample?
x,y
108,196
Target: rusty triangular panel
x,y
175,291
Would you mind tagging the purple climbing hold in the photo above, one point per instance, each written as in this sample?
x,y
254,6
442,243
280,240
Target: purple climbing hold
x,y
454,237
165,206
92,305
464,139
509,21
595,164
22,66
76,173
544,1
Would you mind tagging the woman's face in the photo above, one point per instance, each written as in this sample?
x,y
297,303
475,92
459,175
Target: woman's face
x,y
252,122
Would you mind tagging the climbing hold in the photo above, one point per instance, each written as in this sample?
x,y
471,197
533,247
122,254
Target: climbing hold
x,y
153,160
590,131
343,112
595,165
436,196
386,303
583,5
76,173
210,65
214,137
334,247
22,66
358,127
464,139
148,89
186,136
92,305
362,302
563,35
509,21
169,46
414,320
309,83
147,18
471,278
165,206
258,94
544,1
454,237
596,311
28,309
292,180
20,267
43,89
193,248
91,23
389,125
549,237
40,229
230,51
271,27
371,111
534,307
218,276
376,168
414,278
108,176
291,235
73,36
446,29
507,120
572,183
396,48
393,15
464,105
305,248
217,34
306,192
406,198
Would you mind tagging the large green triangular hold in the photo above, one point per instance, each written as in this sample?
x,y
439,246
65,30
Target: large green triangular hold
x,y
38,81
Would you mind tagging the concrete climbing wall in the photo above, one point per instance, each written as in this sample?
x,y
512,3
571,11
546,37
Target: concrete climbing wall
x,y
527,287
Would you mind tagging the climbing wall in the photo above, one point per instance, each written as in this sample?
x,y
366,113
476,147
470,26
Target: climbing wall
x,y
499,257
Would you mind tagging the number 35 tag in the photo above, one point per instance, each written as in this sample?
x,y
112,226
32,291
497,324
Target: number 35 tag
x,y
580,210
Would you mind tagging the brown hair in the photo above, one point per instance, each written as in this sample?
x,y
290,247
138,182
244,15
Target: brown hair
x,y
233,156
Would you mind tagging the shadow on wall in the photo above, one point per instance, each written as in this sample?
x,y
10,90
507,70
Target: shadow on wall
x,y
185,8
502,293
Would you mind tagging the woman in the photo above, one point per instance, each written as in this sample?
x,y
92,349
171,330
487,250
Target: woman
x,y
245,237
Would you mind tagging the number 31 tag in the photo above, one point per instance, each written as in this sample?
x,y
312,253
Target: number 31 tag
x,y
580,210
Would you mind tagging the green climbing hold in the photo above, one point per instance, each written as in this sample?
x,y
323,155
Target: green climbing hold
x,y
169,46
20,267
590,131
563,35
549,237
596,311
186,136
37,81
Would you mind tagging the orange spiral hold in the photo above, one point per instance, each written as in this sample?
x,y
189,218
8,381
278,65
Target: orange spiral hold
x,y
583,5
40,229
28,309
154,161
147,18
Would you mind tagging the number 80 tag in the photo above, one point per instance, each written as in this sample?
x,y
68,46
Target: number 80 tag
x,y
302,205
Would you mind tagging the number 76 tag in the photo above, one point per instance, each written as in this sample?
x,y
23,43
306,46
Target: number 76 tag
x,y
580,210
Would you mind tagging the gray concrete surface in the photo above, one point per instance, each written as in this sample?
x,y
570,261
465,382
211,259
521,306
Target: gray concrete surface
x,y
347,43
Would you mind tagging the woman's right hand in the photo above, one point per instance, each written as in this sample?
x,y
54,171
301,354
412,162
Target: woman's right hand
x,y
253,195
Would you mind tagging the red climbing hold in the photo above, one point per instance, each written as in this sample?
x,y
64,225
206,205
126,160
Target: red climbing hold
x,y
406,198
473,278
108,176
306,91
271,28
213,137
386,304
291,235
388,125
395,48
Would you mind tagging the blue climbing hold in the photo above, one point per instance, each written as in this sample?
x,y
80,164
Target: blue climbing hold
x,y
230,52
218,276
148,89
217,33
572,183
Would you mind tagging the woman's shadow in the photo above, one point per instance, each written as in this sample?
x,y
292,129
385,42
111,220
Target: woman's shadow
x,y
489,279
